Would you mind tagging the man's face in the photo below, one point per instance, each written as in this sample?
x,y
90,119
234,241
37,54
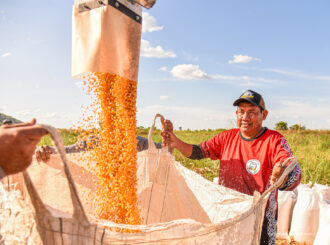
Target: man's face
x,y
249,118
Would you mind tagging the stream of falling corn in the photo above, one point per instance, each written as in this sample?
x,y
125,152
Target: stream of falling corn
x,y
114,107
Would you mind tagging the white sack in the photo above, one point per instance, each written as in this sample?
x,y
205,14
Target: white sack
x,y
286,202
305,217
323,192
236,217
323,233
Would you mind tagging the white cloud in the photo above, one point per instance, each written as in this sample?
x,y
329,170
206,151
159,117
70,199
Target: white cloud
x,y
164,68
3,108
28,113
299,74
6,54
295,74
23,113
188,116
163,97
193,72
49,115
149,23
245,79
239,58
37,113
154,52
189,72
301,112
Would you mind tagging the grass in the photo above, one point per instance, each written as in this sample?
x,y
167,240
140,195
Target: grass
x,y
312,147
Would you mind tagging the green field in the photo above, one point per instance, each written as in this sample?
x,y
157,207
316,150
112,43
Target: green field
x,y
312,147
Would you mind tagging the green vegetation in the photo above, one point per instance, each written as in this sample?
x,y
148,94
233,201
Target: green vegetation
x,y
284,126
297,127
281,125
312,147
69,137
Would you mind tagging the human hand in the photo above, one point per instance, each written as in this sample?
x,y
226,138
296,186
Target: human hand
x,y
168,136
167,128
43,153
278,171
167,125
17,145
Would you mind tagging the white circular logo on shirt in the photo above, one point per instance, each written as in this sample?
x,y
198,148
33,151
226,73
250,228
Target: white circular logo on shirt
x,y
253,166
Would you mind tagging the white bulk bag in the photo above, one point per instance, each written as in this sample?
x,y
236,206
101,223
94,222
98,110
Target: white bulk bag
x,y
286,202
323,233
305,217
323,192
236,218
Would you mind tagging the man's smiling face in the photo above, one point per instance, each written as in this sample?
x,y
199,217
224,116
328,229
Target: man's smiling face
x,y
249,119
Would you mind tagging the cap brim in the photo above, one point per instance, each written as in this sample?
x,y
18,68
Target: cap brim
x,y
237,102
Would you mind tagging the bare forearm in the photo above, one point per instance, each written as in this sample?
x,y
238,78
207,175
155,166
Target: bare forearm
x,y
184,148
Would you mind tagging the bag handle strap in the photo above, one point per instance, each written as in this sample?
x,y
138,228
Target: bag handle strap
x,y
78,210
153,147
150,141
293,163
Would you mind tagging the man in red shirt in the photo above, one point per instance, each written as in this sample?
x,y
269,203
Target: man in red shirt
x,y
251,156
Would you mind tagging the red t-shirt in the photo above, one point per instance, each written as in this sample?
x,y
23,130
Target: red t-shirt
x,y
246,165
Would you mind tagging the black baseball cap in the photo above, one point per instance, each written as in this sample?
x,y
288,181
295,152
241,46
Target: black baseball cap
x,y
251,97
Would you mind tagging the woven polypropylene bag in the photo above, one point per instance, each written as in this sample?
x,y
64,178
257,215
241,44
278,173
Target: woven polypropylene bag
x,y
323,235
236,218
17,224
286,202
305,216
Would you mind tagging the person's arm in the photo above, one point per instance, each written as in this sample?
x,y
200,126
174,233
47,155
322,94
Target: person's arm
x,y
43,153
17,145
282,152
197,153
174,142
293,180
143,144
185,148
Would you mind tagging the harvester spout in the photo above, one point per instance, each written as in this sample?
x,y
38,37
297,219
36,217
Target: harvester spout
x,y
146,3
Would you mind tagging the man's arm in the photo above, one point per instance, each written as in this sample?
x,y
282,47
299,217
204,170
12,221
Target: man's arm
x,y
143,144
174,142
17,145
282,154
293,180
197,153
43,153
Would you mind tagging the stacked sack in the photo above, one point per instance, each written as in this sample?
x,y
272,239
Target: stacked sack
x,y
323,233
286,202
310,223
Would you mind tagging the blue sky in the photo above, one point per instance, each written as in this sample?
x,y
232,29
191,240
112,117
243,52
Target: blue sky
x,y
196,58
